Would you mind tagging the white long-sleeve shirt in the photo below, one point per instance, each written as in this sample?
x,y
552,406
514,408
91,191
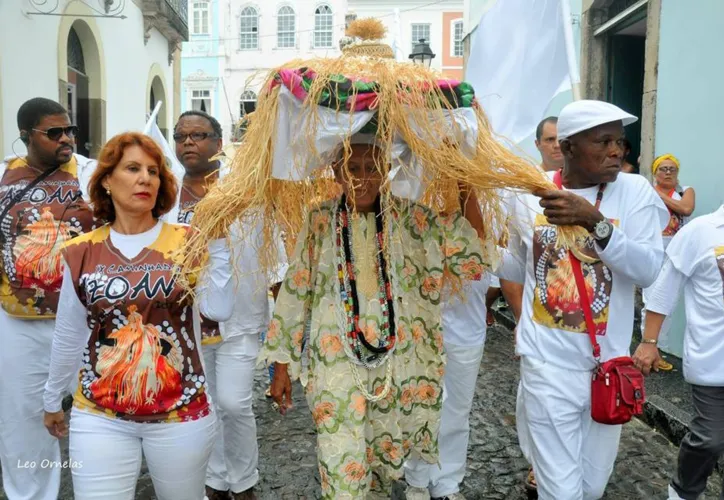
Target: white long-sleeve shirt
x,y
552,327
695,263
251,286
213,294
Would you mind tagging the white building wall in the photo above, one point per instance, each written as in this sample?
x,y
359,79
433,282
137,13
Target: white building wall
x,y
128,64
410,12
246,69
29,65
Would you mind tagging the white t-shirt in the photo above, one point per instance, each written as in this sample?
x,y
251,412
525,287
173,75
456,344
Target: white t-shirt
x,y
695,261
552,327
463,320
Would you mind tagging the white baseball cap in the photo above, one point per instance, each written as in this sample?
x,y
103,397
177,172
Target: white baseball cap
x,y
586,114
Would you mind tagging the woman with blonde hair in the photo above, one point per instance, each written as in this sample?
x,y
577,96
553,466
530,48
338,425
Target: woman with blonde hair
x,y
142,388
680,201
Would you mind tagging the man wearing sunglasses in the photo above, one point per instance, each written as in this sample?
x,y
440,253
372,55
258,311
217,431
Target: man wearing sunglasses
x,y
43,203
230,349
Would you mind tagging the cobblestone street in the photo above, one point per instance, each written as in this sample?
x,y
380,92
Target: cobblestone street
x,y
495,469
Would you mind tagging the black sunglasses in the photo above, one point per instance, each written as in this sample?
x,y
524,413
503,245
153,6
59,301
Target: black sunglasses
x,y
55,133
195,136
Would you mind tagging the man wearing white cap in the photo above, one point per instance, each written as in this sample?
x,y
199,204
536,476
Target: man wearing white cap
x,y
572,455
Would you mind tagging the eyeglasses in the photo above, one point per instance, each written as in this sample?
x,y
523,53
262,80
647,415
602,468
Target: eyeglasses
x,y
55,133
668,170
195,136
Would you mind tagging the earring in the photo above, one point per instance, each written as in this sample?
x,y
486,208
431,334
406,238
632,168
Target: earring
x,y
108,191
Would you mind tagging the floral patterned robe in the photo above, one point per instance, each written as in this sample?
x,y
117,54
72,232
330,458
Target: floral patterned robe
x,y
362,445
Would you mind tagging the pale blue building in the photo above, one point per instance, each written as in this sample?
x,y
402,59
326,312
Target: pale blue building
x,y
201,59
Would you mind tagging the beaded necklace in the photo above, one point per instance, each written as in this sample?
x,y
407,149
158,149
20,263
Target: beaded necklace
x,y
367,354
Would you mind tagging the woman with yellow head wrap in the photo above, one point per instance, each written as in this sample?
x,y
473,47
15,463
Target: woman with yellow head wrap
x,y
681,202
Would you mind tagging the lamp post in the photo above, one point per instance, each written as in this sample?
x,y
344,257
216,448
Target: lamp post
x,y
422,54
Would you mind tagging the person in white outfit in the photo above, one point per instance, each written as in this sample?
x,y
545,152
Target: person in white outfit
x,y
43,203
125,313
572,455
463,331
694,263
681,202
230,349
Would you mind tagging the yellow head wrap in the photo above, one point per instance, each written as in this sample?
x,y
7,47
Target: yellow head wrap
x,y
658,161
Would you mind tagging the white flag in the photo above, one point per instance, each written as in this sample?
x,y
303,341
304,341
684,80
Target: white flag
x,y
151,129
518,64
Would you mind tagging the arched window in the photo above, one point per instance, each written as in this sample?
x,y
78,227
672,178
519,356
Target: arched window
x,y
247,103
323,21
75,60
249,34
286,28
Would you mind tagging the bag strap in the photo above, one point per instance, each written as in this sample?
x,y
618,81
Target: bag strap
x,y
581,282
19,196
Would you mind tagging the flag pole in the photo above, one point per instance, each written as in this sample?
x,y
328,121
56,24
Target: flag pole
x,y
573,71
152,118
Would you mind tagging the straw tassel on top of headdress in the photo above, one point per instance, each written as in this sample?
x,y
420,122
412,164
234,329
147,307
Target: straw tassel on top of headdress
x,y
430,131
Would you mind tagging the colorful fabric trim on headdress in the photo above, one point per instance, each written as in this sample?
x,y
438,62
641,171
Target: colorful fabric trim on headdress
x,y
359,95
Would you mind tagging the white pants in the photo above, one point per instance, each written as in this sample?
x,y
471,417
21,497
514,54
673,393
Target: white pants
x,y
572,455
230,367
106,453
24,442
663,342
523,438
461,374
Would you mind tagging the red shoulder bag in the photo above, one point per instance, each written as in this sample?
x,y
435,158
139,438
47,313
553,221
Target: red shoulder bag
x,y
617,387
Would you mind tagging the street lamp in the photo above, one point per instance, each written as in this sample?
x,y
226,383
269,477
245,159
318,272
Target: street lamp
x,y
422,54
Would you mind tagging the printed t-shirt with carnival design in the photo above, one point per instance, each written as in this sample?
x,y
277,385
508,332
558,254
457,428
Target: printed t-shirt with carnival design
x,y
33,233
142,361
552,326
210,332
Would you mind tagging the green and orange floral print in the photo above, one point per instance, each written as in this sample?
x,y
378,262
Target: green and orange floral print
x,y
361,444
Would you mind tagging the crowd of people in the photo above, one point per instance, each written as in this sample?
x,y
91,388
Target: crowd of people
x,y
91,306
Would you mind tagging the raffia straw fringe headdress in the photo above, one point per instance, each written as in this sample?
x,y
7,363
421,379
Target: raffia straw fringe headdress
x,y
430,130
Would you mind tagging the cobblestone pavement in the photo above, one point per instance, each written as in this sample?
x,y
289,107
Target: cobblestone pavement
x,y
496,468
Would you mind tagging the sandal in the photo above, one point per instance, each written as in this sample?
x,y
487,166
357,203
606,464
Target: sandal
x,y
664,366
530,485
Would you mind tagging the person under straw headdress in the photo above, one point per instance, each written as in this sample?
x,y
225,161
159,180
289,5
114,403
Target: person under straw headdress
x,y
385,177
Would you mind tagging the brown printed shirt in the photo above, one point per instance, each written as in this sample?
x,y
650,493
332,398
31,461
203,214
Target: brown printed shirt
x,y
210,333
142,361
32,235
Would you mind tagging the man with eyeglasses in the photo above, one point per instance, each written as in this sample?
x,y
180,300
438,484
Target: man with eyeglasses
x,y
230,349
43,203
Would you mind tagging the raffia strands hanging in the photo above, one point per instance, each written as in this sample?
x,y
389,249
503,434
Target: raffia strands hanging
x,y
443,133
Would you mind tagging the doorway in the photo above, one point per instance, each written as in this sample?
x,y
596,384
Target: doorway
x,y
79,93
626,66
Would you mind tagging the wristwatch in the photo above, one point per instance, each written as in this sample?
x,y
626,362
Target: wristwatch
x,y
602,230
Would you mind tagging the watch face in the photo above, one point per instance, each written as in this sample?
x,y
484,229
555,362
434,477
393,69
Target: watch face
x,y
603,229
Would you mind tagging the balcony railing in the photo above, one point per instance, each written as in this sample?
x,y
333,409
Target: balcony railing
x,y
181,7
170,17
